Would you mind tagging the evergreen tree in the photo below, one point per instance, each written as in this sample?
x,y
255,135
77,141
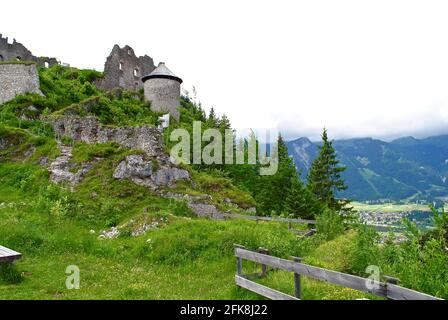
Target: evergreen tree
x,y
324,177
273,189
300,202
212,121
224,123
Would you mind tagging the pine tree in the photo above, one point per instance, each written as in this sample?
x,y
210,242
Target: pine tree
x,y
324,177
224,123
212,120
275,188
300,203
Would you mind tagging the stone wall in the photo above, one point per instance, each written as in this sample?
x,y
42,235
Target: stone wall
x,y
123,69
164,95
16,51
18,79
89,130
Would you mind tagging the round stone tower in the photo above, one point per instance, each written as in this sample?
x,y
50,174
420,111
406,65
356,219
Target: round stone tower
x,y
162,88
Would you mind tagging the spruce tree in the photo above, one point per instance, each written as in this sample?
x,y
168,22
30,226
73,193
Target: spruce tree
x,y
224,123
324,177
212,121
300,202
274,188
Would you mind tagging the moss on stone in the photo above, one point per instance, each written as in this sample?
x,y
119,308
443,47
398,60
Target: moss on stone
x,y
27,63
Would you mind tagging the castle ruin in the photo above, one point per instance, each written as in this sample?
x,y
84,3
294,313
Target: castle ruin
x,y
123,69
16,51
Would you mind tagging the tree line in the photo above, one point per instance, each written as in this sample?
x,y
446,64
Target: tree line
x,y
283,193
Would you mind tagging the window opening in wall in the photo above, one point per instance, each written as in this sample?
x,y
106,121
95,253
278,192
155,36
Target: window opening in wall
x,y
121,65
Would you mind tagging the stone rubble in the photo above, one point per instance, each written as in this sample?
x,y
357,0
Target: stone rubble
x,y
60,168
142,172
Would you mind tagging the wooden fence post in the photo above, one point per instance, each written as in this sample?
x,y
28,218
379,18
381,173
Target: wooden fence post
x,y
297,285
239,261
391,280
264,268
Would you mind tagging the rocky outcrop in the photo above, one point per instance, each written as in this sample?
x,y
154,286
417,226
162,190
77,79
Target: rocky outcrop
x,y
199,204
147,173
153,169
206,210
61,168
89,130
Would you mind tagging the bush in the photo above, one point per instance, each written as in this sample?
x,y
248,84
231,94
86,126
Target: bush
x,y
366,251
329,224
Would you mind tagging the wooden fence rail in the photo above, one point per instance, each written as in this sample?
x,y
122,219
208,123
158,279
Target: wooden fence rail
x,y
262,218
380,289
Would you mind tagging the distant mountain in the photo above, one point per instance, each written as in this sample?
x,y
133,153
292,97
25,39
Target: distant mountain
x,y
403,169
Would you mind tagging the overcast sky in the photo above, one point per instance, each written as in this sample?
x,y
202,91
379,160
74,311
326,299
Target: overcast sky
x,y
360,68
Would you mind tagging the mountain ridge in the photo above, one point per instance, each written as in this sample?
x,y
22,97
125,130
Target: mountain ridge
x,y
404,169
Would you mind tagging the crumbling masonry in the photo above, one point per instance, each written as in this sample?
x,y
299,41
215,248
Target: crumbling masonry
x,y
123,69
16,51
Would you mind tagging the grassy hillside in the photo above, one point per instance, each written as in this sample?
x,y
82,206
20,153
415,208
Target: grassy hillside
x,y
181,258
163,251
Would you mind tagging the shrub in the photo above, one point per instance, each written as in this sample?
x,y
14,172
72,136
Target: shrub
x,y
329,224
366,251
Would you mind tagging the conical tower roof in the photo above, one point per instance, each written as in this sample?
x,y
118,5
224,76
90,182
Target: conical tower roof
x,y
162,72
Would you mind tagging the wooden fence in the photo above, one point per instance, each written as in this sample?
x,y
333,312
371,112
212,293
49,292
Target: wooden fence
x,y
262,218
388,289
300,233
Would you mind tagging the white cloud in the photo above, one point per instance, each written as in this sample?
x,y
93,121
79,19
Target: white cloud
x,y
360,68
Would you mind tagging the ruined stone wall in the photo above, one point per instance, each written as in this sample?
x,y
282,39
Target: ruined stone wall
x,y
164,95
123,69
17,79
140,169
89,130
17,51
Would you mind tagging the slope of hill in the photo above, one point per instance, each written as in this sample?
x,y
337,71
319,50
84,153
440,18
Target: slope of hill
x,y
134,225
404,169
66,201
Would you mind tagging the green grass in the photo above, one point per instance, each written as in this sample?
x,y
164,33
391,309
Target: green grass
x,y
188,259
27,63
185,258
